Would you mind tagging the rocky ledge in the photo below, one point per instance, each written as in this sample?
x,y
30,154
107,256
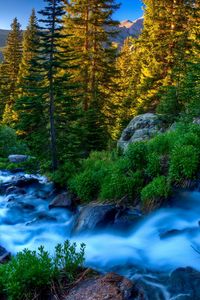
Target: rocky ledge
x,y
141,128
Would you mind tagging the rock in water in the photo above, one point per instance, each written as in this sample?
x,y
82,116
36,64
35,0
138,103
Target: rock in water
x,y
94,216
185,282
17,158
4,255
108,287
141,128
63,201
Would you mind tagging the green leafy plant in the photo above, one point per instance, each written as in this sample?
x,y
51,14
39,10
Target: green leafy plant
x,y
184,163
153,194
137,154
9,142
31,273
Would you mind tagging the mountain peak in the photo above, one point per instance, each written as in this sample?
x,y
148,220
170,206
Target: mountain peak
x,y
126,23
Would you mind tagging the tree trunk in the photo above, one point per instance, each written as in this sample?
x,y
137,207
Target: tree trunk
x,y
52,99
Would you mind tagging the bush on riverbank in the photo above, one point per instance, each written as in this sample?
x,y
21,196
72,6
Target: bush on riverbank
x,y
148,170
30,273
9,142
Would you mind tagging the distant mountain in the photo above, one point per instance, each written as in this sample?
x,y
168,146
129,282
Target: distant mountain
x,y
3,37
126,28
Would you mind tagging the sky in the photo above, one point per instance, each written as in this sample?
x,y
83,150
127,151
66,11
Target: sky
x,y
9,9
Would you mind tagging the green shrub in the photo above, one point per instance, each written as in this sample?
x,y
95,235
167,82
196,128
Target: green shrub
x,y
30,273
160,144
117,185
184,163
153,193
86,184
64,173
153,168
137,155
9,142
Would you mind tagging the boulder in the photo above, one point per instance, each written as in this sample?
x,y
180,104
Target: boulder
x,y
185,283
196,120
63,200
141,128
17,158
97,216
94,216
108,287
15,190
23,181
4,255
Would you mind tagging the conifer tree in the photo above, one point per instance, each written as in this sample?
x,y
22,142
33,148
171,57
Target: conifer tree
x,y
47,107
10,72
91,26
165,48
29,45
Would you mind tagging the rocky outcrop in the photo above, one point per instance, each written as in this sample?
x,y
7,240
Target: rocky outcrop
x,y
4,255
108,287
17,158
185,283
94,216
141,128
97,216
63,200
196,120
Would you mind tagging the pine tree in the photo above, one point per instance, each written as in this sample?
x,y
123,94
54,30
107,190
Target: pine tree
x,y
184,61
29,45
91,26
165,48
47,109
10,72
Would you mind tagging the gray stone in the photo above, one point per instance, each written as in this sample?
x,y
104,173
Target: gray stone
x,y
17,158
62,201
4,255
196,121
94,216
185,282
141,128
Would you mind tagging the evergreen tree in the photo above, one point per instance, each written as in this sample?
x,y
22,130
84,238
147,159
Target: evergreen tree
x,y
47,108
9,73
91,26
165,48
30,44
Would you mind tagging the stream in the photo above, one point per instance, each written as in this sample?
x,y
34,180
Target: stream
x,y
160,243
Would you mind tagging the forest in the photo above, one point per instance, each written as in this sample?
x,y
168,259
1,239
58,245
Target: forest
x,y
68,95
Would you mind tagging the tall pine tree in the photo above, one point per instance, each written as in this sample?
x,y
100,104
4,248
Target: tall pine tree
x,y
91,26
48,109
9,72
164,47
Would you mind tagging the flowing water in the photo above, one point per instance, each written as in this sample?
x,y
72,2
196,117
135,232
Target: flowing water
x,y
165,240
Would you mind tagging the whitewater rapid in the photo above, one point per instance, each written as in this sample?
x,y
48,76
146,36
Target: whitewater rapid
x,y
162,241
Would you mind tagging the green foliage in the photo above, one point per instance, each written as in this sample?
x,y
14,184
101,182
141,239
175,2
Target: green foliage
x,y
137,154
153,193
30,273
63,174
153,168
86,184
117,185
67,260
159,163
160,144
184,163
9,142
